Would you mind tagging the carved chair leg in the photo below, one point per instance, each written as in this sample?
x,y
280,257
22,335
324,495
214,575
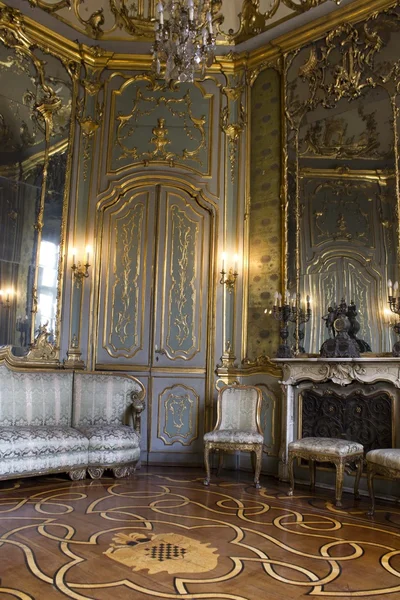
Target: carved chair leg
x,y
311,466
207,463
257,470
291,474
77,474
370,479
339,482
360,463
220,462
253,459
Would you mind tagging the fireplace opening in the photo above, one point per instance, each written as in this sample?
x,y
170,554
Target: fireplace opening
x,y
361,413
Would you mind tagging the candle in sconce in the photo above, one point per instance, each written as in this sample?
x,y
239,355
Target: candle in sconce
x,y
88,251
276,296
395,287
294,301
223,256
236,260
279,299
74,256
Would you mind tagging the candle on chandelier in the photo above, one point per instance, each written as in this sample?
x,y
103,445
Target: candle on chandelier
x,y
160,10
191,10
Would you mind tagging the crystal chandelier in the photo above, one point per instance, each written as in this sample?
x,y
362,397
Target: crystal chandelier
x,y
184,38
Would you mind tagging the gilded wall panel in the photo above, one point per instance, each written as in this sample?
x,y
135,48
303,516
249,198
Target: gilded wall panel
x,y
182,282
152,123
126,245
178,408
181,335
123,283
265,254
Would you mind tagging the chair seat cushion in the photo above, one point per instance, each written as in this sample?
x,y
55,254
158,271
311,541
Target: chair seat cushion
x,y
386,457
322,445
112,444
234,436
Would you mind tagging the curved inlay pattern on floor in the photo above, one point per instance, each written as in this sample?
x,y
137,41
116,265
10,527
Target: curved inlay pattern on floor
x,y
158,535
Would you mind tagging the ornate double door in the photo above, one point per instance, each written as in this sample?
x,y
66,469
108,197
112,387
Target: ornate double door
x,y
153,307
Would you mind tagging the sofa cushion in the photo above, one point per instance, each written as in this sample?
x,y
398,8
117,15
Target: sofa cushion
x,y
111,444
32,442
33,450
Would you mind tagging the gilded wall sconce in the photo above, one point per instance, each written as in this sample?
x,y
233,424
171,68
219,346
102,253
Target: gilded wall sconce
x,y
6,298
80,271
232,273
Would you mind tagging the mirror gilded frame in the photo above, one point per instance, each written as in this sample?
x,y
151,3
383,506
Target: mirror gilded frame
x,y
37,168
341,183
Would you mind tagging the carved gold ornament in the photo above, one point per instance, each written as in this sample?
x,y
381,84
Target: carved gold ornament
x,y
124,19
168,552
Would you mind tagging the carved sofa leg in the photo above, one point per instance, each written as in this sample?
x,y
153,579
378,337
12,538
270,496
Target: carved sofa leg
x,y
77,474
95,472
123,471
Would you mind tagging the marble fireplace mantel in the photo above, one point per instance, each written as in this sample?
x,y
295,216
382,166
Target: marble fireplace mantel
x,y
338,371
341,371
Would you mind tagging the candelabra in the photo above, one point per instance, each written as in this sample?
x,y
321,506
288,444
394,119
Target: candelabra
x,y
287,312
6,298
232,273
80,271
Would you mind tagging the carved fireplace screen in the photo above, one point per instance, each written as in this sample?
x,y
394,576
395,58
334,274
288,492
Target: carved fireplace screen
x,y
361,414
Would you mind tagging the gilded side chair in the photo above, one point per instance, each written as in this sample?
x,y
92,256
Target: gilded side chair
x,y
237,428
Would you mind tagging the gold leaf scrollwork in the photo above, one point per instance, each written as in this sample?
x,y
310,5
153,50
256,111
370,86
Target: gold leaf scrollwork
x,y
125,293
179,408
42,349
182,292
178,108
233,132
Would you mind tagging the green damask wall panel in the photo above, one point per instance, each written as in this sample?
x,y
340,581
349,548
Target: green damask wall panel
x,y
265,256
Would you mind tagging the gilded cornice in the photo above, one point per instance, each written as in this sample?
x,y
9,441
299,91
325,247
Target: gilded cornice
x,y
267,54
353,13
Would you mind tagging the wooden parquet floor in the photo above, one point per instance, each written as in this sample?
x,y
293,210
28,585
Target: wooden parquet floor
x,y
162,534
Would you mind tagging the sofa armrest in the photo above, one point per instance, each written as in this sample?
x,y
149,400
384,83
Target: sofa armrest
x,y
137,406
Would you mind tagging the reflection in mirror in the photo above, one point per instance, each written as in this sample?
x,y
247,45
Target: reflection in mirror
x,y
35,110
343,178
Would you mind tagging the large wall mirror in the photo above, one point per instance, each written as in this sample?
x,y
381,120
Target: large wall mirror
x,y
342,183
35,121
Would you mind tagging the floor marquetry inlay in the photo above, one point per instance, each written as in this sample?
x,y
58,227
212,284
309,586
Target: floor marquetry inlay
x,y
162,534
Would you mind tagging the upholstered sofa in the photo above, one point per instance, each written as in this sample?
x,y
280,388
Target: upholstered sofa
x,y
66,421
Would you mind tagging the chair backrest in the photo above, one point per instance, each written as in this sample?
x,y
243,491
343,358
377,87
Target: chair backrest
x,y
239,408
